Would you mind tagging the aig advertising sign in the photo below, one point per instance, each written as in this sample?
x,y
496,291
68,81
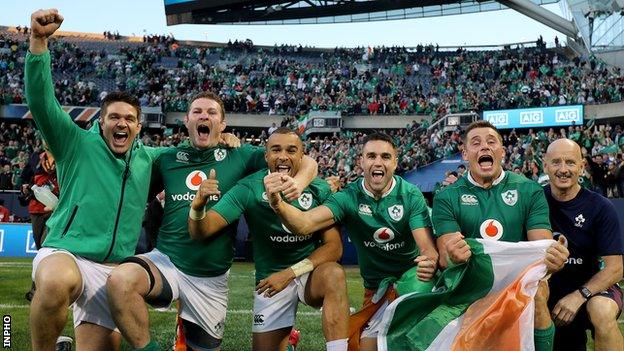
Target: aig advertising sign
x,y
536,117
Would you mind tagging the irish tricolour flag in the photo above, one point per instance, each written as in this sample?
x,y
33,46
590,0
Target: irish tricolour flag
x,y
486,304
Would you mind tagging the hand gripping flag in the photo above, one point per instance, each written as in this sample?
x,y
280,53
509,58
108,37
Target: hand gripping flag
x,y
485,304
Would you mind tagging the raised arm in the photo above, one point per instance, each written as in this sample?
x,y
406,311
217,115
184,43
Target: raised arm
x,y
56,126
297,221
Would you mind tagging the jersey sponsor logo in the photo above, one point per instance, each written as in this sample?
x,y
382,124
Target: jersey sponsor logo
x,y
182,156
188,196
305,201
385,246
219,154
194,179
383,235
396,212
579,220
491,229
469,200
574,260
258,319
365,209
289,238
510,197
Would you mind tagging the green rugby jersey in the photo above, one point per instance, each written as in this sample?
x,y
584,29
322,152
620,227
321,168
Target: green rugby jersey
x,y
381,230
506,211
274,246
181,171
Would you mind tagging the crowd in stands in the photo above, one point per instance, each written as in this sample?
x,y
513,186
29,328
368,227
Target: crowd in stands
x,y
290,79
338,154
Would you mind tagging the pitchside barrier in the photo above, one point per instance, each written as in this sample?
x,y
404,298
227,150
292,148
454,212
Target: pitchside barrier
x,y
16,239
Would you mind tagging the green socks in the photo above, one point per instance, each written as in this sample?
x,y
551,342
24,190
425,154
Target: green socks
x,y
151,346
544,338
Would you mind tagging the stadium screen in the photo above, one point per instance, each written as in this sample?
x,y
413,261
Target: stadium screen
x,y
176,7
536,117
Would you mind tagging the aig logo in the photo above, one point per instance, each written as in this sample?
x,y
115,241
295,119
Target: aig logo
x,y
567,115
531,117
498,119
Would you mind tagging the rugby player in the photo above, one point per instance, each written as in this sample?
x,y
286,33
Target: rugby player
x,y
180,268
492,204
104,177
386,219
289,268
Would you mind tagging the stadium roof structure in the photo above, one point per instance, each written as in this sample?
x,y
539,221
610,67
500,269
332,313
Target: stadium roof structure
x,y
319,11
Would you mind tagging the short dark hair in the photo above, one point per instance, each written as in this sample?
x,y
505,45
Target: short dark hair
x,y
120,96
482,124
284,130
379,136
461,166
210,96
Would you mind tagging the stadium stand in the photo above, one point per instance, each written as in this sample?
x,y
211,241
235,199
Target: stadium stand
x,y
286,80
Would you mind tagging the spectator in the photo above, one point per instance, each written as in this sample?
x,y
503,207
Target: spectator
x,y
6,178
5,215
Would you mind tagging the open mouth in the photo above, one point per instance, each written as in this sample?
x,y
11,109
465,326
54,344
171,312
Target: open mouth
x,y
283,169
120,137
377,175
486,161
203,131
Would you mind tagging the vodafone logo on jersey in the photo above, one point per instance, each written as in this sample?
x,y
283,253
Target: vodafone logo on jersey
x,y
383,235
491,229
194,179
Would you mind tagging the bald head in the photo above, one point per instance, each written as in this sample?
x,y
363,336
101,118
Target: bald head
x,y
563,164
563,146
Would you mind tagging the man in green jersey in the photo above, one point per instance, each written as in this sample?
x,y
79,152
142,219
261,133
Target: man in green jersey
x,y
180,268
289,268
492,204
104,179
386,219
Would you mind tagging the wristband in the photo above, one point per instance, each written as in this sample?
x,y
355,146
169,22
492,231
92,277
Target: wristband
x,y
197,215
302,267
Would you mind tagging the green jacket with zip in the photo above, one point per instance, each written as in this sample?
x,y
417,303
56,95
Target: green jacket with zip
x,y
102,196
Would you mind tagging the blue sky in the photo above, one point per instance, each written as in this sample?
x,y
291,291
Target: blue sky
x,y
139,16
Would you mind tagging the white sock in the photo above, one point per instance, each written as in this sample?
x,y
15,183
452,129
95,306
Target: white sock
x,y
337,345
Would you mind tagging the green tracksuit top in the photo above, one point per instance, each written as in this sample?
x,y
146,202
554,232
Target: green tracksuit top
x,y
102,196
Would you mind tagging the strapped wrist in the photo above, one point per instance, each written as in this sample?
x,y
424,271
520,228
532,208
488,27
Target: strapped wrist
x,y
197,215
302,267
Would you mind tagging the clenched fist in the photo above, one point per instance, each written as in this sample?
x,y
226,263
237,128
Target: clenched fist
x,y
44,23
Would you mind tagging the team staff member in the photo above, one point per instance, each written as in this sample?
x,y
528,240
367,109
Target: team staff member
x,y
582,295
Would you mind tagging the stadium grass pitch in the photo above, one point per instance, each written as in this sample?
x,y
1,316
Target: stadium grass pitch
x,y
15,282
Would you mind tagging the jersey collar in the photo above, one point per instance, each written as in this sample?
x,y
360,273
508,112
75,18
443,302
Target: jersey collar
x,y
367,192
495,182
